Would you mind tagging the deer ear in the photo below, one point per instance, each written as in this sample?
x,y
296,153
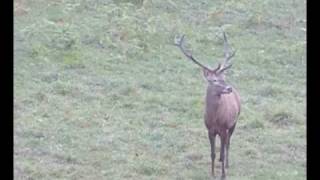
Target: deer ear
x,y
206,72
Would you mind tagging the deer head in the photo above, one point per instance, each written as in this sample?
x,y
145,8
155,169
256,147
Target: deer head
x,y
215,77
216,80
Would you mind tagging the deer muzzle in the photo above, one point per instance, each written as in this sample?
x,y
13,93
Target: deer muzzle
x,y
227,90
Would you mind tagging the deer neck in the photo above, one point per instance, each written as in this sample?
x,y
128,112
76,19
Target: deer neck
x,y
213,100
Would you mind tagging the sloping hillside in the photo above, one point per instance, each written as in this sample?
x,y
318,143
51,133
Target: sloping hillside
x,y
100,92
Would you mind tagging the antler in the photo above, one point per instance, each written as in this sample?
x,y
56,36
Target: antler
x,y
221,67
227,55
188,54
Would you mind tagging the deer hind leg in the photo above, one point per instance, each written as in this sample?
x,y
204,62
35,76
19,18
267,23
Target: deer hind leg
x,y
230,131
224,138
212,137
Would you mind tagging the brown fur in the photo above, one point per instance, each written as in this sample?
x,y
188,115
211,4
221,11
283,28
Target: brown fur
x,y
221,114
222,103
222,110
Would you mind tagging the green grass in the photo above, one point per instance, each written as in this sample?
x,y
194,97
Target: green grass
x,y
100,92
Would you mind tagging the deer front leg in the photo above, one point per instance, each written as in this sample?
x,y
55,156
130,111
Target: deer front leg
x,y
227,152
212,137
223,137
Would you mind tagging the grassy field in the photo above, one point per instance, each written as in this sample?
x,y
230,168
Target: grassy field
x,y
100,92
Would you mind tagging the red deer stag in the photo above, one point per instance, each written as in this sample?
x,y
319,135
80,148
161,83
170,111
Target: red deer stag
x,y
222,104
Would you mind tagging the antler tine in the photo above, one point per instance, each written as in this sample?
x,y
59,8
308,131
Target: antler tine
x,y
179,43
188,54
225,45
227,48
